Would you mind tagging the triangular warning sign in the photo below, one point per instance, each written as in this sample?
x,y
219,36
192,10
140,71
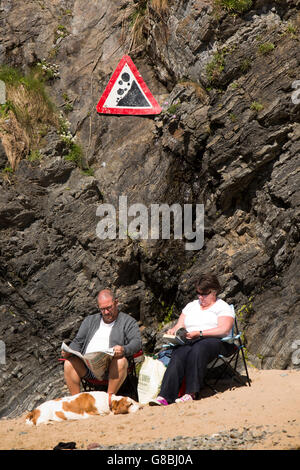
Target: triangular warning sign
x,y
127,93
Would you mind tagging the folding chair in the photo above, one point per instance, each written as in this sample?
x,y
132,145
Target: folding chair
x,y
233,348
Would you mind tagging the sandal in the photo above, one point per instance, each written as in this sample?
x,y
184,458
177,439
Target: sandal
x,y
186,397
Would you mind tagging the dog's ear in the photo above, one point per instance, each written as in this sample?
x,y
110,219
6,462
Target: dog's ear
x,y
114,405
120,407
30,415
33,416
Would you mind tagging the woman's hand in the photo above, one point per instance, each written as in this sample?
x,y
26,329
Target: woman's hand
x,y
172,331
193,335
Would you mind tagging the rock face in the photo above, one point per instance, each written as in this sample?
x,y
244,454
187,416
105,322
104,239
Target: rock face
x,y
228,138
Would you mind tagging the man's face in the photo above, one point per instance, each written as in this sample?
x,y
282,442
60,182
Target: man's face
x,y
108,308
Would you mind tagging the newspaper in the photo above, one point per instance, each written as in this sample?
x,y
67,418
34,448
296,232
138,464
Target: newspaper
x,y
98,362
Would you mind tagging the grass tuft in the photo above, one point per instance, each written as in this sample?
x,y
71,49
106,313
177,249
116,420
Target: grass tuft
x,y
235,6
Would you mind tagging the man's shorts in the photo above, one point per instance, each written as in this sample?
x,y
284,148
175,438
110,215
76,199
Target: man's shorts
x,y
90,376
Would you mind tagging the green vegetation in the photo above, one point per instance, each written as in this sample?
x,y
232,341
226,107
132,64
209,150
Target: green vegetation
x,y
292,30
6,173
139,15
138,12
216,66
8,169
245,65
266,47
235,6
256,106
245,310
172,109
5,108
88,172
168,312
136,21
68,103
34,156
28,114
234,85
75,154
67,12
60,32
33,82
48,71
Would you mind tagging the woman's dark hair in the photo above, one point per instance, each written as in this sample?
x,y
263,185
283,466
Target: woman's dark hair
x,y
208,282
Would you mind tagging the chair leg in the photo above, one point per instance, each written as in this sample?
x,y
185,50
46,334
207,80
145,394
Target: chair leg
x,y
245,366
211,388
233,370
235,374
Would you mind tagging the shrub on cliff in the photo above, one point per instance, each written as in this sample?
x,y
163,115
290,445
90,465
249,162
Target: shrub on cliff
x,y
238,6
27,114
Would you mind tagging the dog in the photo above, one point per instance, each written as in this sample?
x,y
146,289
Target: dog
x,y
81,406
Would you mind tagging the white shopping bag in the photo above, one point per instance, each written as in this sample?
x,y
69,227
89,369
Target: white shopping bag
x,y
150,379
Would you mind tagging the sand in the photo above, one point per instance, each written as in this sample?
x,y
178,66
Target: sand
x,y
272,403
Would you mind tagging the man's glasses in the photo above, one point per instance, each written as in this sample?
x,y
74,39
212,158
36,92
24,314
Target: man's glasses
x,y
203,294
106,309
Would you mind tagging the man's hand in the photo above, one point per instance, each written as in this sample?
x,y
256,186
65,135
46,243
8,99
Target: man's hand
x,y
65,354
119,351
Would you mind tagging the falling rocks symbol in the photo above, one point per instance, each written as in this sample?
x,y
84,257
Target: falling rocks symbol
x,y
134,97
127,93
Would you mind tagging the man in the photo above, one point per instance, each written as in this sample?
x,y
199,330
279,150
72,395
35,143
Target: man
x,y
109,328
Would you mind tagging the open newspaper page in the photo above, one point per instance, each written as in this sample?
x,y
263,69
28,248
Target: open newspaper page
x,y
98,362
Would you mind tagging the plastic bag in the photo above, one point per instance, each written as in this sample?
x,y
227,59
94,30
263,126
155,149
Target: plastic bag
x,y
150,379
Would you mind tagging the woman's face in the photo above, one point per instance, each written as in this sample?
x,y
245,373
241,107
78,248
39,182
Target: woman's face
x,y
206,299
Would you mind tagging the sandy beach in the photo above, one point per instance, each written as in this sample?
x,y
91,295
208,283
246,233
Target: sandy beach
x,y
271,404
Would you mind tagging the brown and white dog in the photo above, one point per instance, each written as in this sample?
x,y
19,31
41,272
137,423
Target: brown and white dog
x,y
81,406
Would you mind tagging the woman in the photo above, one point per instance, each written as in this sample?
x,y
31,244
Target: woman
x,y
207,320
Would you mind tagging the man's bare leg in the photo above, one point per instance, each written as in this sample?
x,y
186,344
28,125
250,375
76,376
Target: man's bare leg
x,y
74,369
117,374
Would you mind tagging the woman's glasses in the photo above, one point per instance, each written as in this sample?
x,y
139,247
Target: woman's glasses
x,y
203,294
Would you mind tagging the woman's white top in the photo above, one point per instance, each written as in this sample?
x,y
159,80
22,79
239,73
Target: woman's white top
x,y
197,319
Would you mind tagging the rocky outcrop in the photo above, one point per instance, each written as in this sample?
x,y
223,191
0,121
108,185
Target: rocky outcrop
x,y
228,137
